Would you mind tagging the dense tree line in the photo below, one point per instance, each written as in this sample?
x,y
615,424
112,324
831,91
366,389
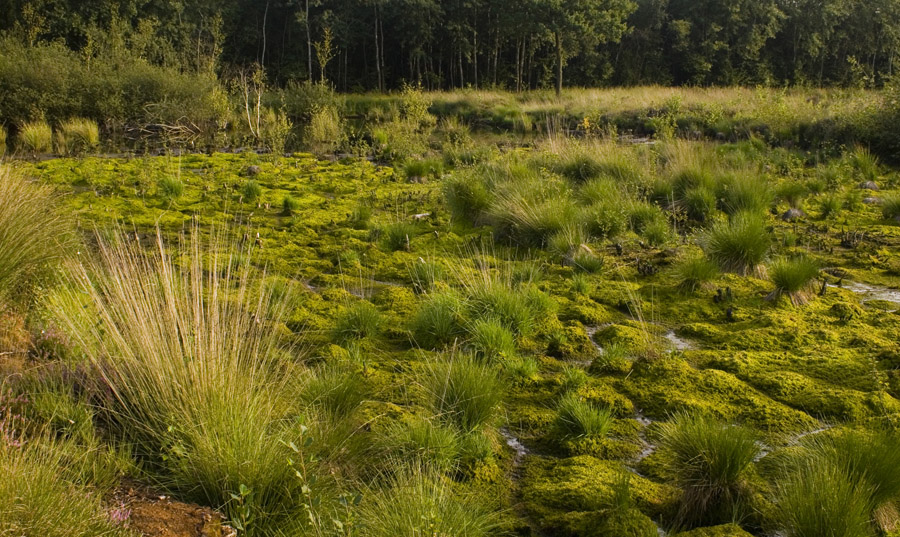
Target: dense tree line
x,y
515,44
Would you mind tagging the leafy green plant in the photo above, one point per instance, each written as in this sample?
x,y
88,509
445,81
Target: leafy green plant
x,y
792,277
36,137
738,245
463,392
359,320
576,417
710,460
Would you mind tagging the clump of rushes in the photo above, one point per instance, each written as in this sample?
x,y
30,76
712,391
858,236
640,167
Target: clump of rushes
x,y
463,392
36,137
336,391
793,192
744,192
521,368
491,340
695,272
580,166
77,136
573,377
865,163
738,245
358,321
576,417
467,197
425,274
170,188
792,277
439,321
890,207
699,203
197,370
251,191
289,205
418,501
657,233
361,217
424,169
709,460
33,232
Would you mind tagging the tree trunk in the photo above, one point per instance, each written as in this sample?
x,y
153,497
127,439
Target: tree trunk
x,y
377,55
559,64
308,45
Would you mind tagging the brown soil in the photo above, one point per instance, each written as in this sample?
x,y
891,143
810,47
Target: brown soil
x,y
158,515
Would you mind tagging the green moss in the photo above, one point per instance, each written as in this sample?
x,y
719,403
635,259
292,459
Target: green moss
x,y
725,530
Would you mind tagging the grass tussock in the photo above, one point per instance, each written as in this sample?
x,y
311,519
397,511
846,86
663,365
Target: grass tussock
x,y
77,136
463,392
576,417
738,245
190,357
709,460
793,277
33,233
696,272
36,137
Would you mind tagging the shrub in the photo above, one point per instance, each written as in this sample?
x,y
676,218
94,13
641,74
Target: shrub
x,y
739,244
418,502
33,233
576,417
275,130
709,460
890,206
463,392
438,322
169,188
77,136
792,277
695,272
490,339
251,191
289,205
213,397
36,137
358,321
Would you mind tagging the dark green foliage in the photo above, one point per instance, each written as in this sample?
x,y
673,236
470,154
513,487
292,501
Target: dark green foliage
x,y
739,244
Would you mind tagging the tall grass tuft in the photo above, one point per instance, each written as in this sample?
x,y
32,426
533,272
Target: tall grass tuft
x,y
439,321
189,356
744,192
37,499
890,207
358,321
418,442
36,137
491,340
576,417
467,197
709,460
418,502
169,188
33,233
77,136
738,245
463,392
695,272
792,278
865,163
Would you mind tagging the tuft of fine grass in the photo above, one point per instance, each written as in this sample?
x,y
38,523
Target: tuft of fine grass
x,y
251,191
576,417
77,136
491,340
418,501
744,192
439,321
33,233
865,163
792,277
289,205
336,391
695,272
419,442
709,460
169,188
196,370
890,207
463,392
467,197
397,236
36,137
358,321
3,135
830,205
738,245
